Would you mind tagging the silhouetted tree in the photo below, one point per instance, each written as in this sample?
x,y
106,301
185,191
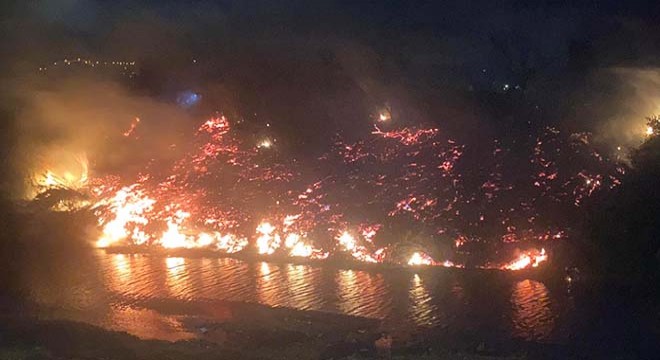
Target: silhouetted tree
x,y
624,228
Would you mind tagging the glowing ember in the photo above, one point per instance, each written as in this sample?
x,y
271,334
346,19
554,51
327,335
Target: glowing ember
x,y
406,136
130,130
212,196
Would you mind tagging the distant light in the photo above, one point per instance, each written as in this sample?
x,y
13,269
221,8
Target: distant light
x,y
618,148
505,87
188,99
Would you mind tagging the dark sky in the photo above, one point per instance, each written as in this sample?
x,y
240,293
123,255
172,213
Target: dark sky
x,y
465,29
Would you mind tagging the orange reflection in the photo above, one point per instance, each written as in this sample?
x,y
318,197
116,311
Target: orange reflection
x,y
532,315
133,275
146,324
264,271
270,288
175,265
421,307
349,292
122,265
120,273
362,294
177,278
231,281
206,275
302,282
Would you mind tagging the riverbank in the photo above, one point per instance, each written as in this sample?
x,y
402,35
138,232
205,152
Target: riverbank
x,y
250,332
238,330
34,339
336,261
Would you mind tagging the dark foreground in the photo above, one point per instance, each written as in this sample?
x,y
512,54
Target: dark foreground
x,y
253,332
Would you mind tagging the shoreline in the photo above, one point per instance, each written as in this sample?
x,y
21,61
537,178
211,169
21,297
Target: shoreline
x,y
337,262
251,331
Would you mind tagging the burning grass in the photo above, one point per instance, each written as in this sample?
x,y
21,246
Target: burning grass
x,y
231,197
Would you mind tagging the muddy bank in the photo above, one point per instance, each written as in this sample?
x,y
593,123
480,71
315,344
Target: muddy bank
x,y
250,331
34,339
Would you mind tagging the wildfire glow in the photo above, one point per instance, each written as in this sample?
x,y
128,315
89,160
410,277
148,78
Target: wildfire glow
x,y
527,260
129,211
268,241
70,172
213,196
418,258
128,207
347,242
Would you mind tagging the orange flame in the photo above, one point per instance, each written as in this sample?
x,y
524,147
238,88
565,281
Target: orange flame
x,y
66,174
359,252
169,215
128,207
267,242
418,258
526,260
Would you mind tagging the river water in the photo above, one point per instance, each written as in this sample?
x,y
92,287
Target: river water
x,y
123,292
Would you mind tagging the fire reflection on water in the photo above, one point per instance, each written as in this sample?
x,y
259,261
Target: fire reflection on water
x,y
349,292
177,278
302,284
129,277
421,306
134,286
121,275
532,315
267,289
146,324
362,294
126,278
288,285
